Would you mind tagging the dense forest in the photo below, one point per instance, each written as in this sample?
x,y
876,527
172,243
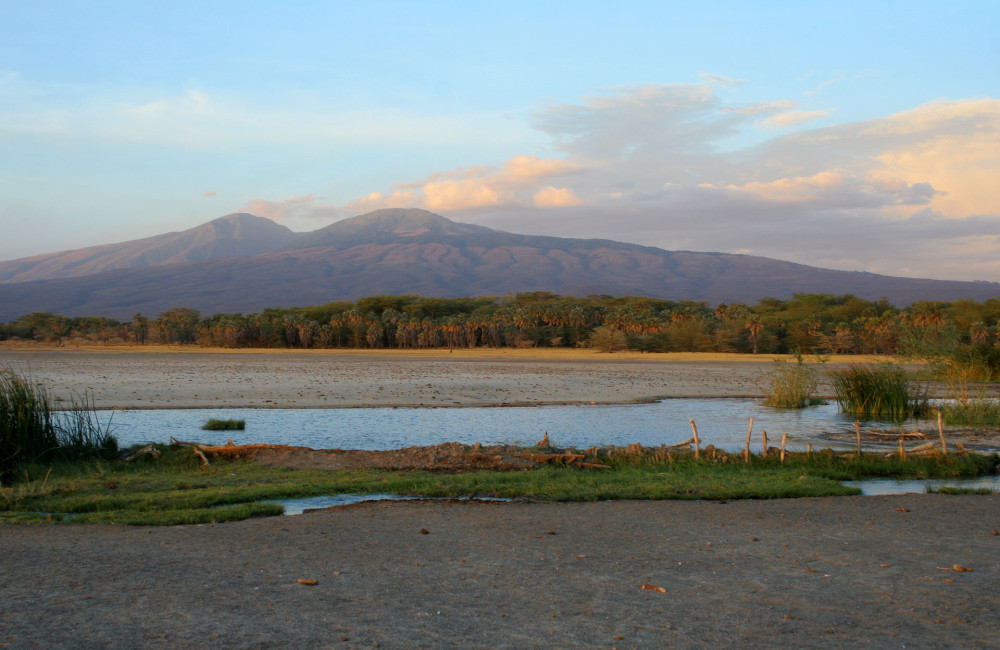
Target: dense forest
x,y
810,323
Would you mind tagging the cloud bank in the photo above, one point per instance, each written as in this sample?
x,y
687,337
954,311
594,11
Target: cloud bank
x,y
908,194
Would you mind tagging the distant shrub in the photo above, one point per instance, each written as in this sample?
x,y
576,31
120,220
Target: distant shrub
x,y
607,339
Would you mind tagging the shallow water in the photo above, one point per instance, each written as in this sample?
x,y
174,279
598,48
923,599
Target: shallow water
x,y
721,422
300,505
919,486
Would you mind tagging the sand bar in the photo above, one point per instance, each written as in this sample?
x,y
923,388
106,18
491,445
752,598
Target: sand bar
x,y
172,377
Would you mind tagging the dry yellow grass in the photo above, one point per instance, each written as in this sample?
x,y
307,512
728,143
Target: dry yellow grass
x,y
547,354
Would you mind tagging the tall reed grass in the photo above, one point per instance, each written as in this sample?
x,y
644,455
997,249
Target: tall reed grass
x,y
32,431
876,390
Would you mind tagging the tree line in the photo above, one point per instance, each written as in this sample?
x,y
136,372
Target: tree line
x,y
809,323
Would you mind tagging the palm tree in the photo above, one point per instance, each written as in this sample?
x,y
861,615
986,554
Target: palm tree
x,y
755,327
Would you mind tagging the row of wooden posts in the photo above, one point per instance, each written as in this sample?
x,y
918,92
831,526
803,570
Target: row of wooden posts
x,y
784,439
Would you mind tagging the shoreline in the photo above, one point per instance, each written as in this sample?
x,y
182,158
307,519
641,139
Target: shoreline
x,y
464,354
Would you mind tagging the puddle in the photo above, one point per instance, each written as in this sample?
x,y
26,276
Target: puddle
x,y
875,487
305,504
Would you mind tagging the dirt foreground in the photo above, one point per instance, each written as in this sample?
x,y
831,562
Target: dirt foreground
x,y
836,572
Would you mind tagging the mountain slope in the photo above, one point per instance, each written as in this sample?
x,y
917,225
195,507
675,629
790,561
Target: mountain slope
x,y
412,251
234,235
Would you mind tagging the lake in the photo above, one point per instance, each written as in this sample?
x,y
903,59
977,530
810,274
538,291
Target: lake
x,y
721,422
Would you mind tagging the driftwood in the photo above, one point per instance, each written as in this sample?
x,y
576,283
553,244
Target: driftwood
x,y
201,454
148,449
686,443
697,444
901,434
553,459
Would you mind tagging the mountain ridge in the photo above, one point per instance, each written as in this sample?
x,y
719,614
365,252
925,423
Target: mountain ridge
x,y
414,251
233,235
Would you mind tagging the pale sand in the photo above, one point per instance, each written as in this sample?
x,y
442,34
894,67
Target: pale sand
x,y
172,377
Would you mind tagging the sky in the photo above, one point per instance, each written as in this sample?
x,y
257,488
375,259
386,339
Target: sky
x,y
848,135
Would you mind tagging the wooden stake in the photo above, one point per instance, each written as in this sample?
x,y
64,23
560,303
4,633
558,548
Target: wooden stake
x,y
857,430
902,450
809,450
764,455
746,455
944,446
697,450
784,438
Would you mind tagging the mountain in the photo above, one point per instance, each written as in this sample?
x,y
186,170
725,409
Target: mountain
x,y
414,251
235,235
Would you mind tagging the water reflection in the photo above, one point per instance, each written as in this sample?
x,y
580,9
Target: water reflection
x,y
721,422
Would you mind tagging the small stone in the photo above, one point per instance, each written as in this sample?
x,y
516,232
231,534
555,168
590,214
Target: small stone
x,y
424,531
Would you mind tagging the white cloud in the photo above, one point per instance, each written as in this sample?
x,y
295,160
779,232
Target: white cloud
x,y
199,119
910,193
721,80
794,118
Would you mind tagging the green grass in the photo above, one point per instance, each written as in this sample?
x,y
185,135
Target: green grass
x,y
983,412
224,425
877,390
177,489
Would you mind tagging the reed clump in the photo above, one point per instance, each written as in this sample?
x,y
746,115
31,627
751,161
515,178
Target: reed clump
x,y
791,384
214,424
876,390
31,431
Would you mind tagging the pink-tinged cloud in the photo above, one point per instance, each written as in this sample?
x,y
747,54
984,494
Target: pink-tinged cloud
x,y
516,183
296,208
209,193
555,197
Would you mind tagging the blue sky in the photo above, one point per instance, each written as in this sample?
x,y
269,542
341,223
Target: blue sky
x,y
855,135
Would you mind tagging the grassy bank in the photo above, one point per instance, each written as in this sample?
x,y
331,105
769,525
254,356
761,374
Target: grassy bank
x,y
177,489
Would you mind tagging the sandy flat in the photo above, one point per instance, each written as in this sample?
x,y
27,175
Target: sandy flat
x,y
192,378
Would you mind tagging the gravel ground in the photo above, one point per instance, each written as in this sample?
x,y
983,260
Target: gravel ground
x,y
834,572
